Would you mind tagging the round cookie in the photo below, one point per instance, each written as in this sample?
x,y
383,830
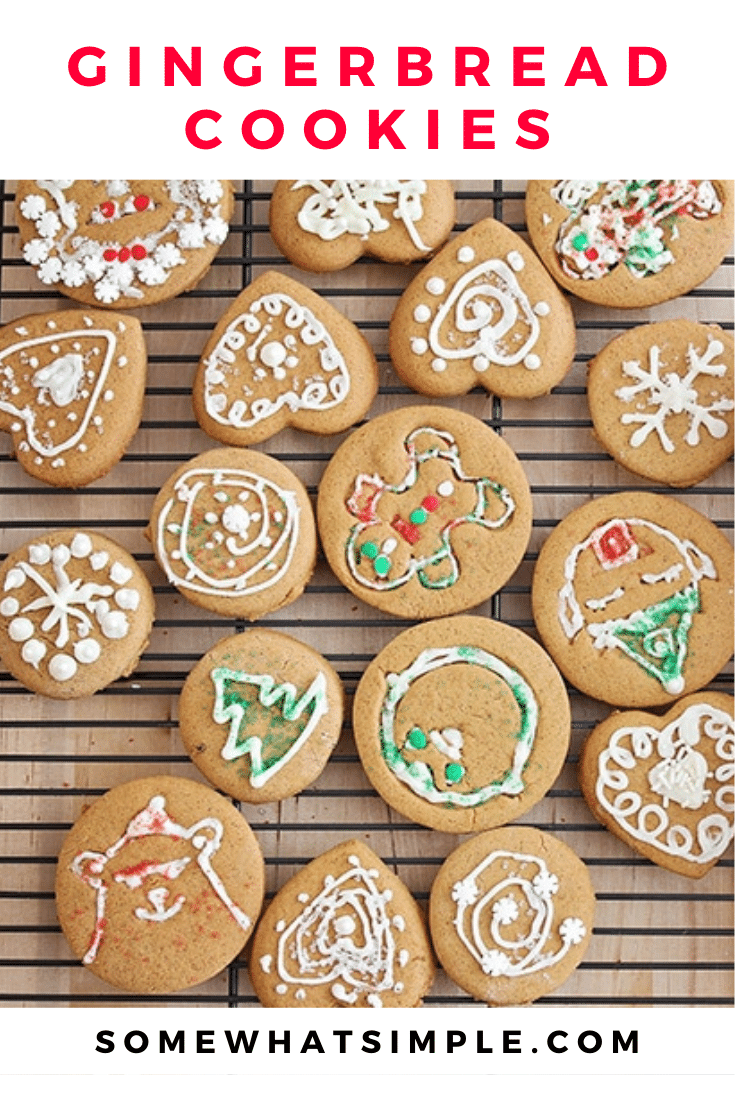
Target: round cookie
x,y
76,611
71,391
343,932
122,243
462,724
633,598
661,399
424,512
511,915
630,243
260,714
326,225
234,531
159,884
484,312
282,355
663,784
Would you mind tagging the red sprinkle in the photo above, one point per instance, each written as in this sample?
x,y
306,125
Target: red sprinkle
x,y
430,503
140,202
124,254
108,209
110,254
139,251
591,254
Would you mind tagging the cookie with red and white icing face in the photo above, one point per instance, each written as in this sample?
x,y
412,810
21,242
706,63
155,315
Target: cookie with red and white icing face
x,y
484,312
633,598
661,400
664,784
343,932
76,611
630,243
282,355
71,391
122,243
326,225
234,531
159,884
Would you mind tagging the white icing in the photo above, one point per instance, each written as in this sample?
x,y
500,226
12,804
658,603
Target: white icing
x,y
87,651
9,606
128,599
81,546
435,286
422,312
466,254
114,625
33,651
62,667
20,629
351,206
419,346
120,574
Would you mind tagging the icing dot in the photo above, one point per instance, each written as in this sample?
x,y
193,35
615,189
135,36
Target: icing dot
x,y
110,255
516,261
87,650
421,313
532,361
81,545
419,346
33,651
99,559
381,566
127,599
139,252
454,772
435,286
120,574
542,309
108,209
61,554
416,738
15,578
124,254
9,606
62,667
114,625
439,364
481,363
579,241
281,988
465,254
445,489
345,924
20,629
211,518
675,685
389,546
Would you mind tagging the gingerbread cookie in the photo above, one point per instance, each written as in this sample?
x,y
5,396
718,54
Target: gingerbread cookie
x,y
633,597
71,392
343,932
661,399
158,885
664,783
76,611
325,225
424,511
122,243
462,724
282,355
234,531
630,243
483,313
260,714
511,915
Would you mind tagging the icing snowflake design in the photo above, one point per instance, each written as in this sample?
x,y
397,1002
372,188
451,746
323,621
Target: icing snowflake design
x,y
64,253
227,532
626,221
690,765
505,916
342,938
77,618
276,345
337,207
55,386
483,318
671,395
395,520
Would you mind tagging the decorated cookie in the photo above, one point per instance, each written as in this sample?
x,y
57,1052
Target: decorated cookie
x,y
664,784
260,714
630,243
424,511
122,243
71,391
159,884
661,399
633,597
343,932
511,915
325,225
282,355
233,530
462,723
76,611
483,313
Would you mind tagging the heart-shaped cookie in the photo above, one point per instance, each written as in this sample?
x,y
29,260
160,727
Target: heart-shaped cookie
x,y
664,784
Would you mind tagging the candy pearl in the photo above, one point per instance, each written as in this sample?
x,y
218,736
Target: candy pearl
x,y
430,503
9,606
110,254
591,254
453,772
62,667
579,241
124,254
140,202
139,252
418,516
107,209
381,566
416,738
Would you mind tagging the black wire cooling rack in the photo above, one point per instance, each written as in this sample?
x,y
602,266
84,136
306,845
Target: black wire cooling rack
x,y
659,939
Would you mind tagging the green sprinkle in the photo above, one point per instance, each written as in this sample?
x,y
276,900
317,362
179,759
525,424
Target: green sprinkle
x,y
416,738
418,516
580,241
369,551
381,566
454,772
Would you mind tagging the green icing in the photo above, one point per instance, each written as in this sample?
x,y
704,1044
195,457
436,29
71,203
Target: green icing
x,y
656,637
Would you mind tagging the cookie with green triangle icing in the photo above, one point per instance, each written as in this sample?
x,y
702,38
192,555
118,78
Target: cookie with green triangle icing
x,y
260,714
633,598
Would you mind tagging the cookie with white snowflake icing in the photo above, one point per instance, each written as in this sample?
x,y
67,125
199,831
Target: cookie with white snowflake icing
x,y
282,355
76,611
260,714
325,225
511,914
483,312
234,531
462,723
661,399
71,391
424,511
122,243
343,932
159,884
630,243
664,784
633,598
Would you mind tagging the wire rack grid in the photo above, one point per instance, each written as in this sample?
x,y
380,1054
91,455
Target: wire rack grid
x,y
658,939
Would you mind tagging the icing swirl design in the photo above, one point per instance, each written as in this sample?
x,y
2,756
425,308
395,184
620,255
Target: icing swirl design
x,y
338,207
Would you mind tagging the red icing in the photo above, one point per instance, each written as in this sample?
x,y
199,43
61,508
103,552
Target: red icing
x,y
430,503
410,532
110,254
124,253
615,544
140,202
139,252
108,209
